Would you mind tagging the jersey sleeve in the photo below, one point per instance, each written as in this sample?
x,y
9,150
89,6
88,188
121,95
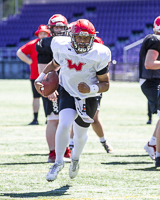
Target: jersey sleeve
x,y
104,62
26,49
43,48
154,43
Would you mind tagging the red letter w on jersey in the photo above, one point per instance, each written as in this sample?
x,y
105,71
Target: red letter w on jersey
x,y
77,67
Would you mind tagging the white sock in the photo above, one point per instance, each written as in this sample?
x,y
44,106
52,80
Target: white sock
x,y
80,139
102,139
152,141
157,154
66,118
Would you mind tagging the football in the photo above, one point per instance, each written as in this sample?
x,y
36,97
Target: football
x,y
50,82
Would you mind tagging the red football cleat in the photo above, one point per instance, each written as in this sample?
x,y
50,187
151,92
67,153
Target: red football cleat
x,y
67,155
52,157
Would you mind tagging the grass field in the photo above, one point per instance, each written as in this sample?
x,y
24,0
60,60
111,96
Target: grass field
x,y
128,173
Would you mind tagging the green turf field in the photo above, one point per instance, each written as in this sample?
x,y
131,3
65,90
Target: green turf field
x,y
129,173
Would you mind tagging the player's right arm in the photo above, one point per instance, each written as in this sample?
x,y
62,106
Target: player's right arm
x,y
151,61
45,57
51,66
153,47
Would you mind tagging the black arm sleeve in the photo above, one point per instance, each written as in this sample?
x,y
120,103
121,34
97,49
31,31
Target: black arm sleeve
x,y
103,71
152,42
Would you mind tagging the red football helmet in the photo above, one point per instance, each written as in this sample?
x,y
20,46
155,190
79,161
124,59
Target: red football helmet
x,y
82,27
156,25
57,20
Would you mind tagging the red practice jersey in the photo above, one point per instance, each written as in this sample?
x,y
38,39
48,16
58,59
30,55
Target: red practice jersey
x,y
30,49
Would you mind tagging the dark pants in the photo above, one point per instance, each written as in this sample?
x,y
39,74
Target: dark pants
x,y
149,112
34,91
150,89
67,101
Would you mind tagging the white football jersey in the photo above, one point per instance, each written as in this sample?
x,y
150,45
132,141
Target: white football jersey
x,y
76,68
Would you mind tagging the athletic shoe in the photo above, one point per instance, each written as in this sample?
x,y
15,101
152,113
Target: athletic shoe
x,y
107,147
53,172
67,155
157,162
52,157
149,121
74,168
151,150
34,122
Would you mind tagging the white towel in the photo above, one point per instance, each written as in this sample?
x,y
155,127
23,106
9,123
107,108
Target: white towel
x,y
81,110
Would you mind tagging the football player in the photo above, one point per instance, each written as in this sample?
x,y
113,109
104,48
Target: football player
x,y
84,75
149,73
30,49
58,26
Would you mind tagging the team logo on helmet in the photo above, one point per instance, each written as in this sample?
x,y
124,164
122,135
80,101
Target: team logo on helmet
x,y
57,19
156,25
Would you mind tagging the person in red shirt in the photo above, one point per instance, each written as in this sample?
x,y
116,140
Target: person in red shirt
x,y
28,54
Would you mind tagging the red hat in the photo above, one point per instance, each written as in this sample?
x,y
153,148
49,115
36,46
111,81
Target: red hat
x,y
42,28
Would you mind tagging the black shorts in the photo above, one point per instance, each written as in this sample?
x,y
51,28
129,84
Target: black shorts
x,y
67,101
50,106
98,98
34,91
150,89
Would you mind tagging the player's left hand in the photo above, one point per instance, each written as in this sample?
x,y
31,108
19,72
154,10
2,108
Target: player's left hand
x,y
83,88
53,96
